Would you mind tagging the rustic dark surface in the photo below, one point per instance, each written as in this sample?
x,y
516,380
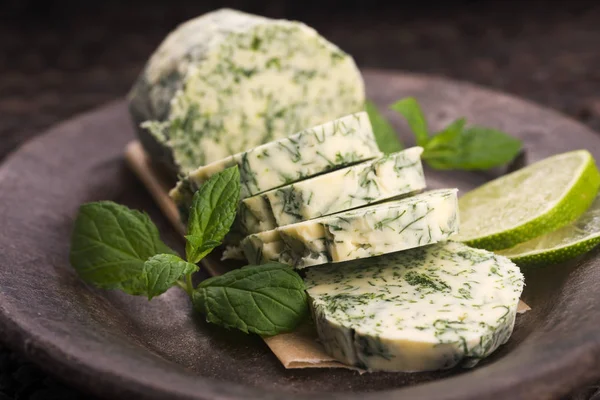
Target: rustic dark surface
x,y
58,59
121,346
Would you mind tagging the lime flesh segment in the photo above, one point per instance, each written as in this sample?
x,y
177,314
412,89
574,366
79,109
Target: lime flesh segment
x,y
530,202
561,245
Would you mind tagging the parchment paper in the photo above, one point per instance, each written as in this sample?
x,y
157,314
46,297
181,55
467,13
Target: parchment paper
x,y
298,349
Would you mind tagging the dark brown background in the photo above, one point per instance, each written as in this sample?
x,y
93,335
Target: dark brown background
x,y
58,58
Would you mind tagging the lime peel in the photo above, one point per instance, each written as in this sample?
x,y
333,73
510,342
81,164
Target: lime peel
x,y
561,245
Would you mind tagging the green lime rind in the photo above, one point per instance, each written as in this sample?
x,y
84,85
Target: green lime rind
x,y
559,246
577,195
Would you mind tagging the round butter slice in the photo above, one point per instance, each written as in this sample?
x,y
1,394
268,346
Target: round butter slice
x,y
423,309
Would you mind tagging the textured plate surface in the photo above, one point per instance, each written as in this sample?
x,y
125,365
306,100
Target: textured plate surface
x,y
119,346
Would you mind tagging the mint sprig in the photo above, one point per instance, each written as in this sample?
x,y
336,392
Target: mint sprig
x,y
474,148
457,146
114,247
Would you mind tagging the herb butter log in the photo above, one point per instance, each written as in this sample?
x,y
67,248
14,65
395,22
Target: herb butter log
x,y
323,148
424,309
371,231
228,81
370,182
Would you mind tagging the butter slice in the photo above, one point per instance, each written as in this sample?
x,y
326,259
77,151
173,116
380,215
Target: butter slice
x,y
423,309
370,182
371,231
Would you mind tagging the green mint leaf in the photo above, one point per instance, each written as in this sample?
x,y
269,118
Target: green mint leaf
x,y
475,148
445,145
199,242
110,244
485,148
410,109
162,271
385,134
448,138
265,299
212,213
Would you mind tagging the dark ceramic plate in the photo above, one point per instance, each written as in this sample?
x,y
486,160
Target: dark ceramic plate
x,y
117,346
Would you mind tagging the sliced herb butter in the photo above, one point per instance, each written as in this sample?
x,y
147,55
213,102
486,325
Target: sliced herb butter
x,y
339,143
228,81
370,182
419,310
371,231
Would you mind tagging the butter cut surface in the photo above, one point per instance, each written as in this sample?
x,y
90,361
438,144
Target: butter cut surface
x,y
384,178
415,221
228,81
423,309
332,145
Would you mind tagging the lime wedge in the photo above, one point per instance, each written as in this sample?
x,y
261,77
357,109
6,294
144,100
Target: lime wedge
x,y
561,245
530,202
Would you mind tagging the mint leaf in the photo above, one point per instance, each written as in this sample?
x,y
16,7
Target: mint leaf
x,y
447,139
445,145
110,244
410,109
385,134
212,213
473,148
199,243
458,147
162,271
485,148
265,299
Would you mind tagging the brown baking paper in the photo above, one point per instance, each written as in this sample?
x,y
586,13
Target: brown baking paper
x,y
298,349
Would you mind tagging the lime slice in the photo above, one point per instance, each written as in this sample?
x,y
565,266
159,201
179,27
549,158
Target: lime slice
x,y
530,202
561,245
